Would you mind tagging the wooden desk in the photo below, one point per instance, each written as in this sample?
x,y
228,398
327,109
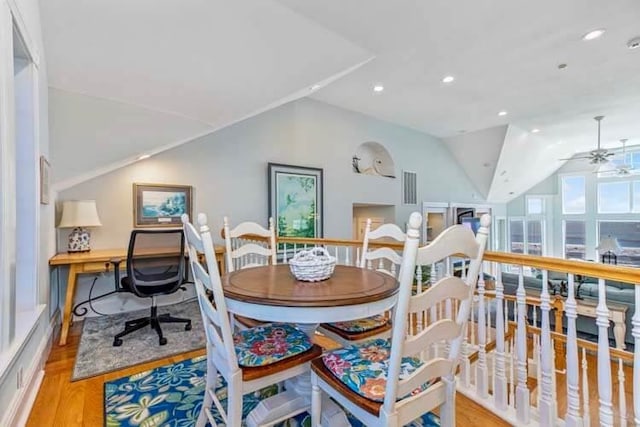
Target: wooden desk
x,y
96,261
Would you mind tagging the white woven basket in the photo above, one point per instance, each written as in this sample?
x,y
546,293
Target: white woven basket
x,y
312,265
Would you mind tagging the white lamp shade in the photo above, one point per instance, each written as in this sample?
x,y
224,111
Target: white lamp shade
x,y
608,244
79,213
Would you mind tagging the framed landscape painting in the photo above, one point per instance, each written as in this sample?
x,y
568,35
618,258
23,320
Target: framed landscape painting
x,y
295,200
160,205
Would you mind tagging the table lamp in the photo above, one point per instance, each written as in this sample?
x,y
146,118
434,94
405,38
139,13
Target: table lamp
x,y
78,214
608,248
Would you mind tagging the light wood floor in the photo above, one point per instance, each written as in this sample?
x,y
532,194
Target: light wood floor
x,y
62,403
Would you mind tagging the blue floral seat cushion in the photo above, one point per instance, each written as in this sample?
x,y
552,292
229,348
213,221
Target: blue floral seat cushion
x,y
270,343
364,367
361,325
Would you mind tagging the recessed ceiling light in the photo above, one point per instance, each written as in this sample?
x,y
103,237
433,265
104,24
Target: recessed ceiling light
x,y
448,79
502,113
634,43
592,35
315,87
378,88
535,130
144,156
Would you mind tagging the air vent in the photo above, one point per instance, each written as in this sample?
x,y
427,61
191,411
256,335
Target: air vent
x,y
409,188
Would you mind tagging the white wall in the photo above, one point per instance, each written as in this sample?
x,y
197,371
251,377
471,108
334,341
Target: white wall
x,y
228,171
28,356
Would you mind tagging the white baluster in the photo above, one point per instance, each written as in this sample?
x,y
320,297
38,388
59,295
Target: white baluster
x,y
636,358
506,316
522,391
347,261
500,389
433,274
535,315
473,335
604,360
546,399
573,388
622,397
586,416
482,374
357,255
285,246
336,251
419,317
512,373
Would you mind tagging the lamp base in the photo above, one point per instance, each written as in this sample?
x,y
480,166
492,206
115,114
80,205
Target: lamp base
x,y
79,240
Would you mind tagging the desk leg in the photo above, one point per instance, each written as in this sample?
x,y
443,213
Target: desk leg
x,y
68,303
619,331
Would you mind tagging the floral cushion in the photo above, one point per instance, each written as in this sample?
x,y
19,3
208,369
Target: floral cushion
x,y
269,343
364,367
361,325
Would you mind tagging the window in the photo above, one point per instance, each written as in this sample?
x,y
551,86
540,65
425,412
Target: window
x,y
516,236
535,237
614,197
573,195
574,239
535,205
628,235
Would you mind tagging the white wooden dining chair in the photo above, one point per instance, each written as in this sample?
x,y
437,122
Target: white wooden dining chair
x,y
249,245
387,382
382,259
238,357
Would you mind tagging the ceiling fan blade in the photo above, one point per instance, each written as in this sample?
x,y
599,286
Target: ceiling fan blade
x,y
576,158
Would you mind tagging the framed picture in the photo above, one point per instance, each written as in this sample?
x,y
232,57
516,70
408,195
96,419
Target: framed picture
x,y
295,200
160,205
44,181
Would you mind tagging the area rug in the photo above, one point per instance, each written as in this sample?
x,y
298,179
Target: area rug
x,y
172,396
97,355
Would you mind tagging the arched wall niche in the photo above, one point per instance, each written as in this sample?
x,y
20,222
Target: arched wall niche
x,y
371,158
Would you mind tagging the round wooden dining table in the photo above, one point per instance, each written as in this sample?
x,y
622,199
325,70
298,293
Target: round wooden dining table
x,y
271,293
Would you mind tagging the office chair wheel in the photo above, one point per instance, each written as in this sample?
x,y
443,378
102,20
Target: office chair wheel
x,y
187,327
163,341
117,342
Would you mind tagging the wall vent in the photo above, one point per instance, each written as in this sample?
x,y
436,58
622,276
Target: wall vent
x,y
409,188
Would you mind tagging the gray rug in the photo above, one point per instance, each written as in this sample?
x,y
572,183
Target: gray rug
x,y
97,355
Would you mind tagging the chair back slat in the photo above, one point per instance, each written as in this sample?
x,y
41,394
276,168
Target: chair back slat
x,y
446,288
456,240
249,245
434,368
213,308
382,259
440,330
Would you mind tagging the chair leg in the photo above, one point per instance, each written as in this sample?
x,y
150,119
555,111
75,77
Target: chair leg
x,y
167,318
448,408
234,404
212,376
316,401
130,326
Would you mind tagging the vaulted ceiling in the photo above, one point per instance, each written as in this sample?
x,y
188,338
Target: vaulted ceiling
x,y
198,65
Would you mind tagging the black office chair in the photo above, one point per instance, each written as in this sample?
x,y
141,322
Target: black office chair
x,y
155,266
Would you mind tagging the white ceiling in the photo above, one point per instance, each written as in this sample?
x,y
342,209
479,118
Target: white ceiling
x,y
214,62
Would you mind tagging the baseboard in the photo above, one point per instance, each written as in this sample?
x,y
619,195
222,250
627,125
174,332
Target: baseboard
x,y
18,411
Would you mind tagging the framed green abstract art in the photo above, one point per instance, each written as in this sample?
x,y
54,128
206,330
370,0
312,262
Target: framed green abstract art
x,y
295,200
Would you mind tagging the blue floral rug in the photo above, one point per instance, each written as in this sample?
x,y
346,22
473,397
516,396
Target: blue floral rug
x,y
172,396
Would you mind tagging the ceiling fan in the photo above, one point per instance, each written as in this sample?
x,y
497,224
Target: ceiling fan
x,y
620,169
599,156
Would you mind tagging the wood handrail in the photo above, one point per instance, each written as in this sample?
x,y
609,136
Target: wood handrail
x,y
591,269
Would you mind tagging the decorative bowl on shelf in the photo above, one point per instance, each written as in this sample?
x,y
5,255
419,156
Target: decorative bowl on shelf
x,y
312,265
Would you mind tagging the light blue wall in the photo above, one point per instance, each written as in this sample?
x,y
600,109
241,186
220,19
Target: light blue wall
x,y
228,171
